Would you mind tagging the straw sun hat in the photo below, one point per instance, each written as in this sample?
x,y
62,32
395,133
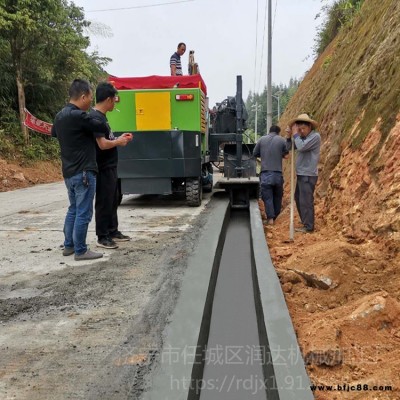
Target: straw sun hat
x,y
304,118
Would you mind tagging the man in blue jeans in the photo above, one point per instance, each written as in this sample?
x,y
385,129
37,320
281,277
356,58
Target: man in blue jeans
x,y
272,149
307,143
74,129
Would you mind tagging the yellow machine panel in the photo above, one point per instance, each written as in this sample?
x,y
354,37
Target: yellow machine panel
x,y
153,111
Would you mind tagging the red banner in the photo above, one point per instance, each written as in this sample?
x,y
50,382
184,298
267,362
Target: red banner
x,y
36,124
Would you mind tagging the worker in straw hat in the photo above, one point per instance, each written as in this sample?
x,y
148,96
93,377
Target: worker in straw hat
x,y
307,142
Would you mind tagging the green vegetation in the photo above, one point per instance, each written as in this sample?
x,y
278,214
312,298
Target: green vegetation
x,y
327,62
43,47
283,92
339,14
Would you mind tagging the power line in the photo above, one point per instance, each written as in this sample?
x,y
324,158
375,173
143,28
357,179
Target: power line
x,y
273,24
255,53
273,27
263,41
147,6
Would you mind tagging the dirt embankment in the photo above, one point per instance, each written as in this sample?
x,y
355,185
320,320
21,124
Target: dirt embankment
x,y
352,92
344,300
14,175
342,283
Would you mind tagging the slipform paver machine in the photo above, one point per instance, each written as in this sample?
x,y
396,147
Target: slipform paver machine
x,y
176,141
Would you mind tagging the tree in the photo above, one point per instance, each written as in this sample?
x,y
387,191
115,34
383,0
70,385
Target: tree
x,y
46,48
284,93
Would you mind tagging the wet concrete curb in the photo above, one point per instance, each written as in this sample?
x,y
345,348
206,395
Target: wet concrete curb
x,y
187,333
180,367
291,378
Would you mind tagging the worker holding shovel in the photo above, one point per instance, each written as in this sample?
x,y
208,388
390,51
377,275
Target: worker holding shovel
x,y
302,136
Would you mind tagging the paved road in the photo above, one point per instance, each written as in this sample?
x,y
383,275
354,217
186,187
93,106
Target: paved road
x,y
31,222
81,330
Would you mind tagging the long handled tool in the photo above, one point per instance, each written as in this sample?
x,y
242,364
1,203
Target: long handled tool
x,y
291,225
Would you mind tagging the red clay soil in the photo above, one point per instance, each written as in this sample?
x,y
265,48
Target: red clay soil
x,y
14,175
344,300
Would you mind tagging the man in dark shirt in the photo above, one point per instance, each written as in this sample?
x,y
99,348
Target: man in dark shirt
x,y
175,60
107,188
272,149
74,128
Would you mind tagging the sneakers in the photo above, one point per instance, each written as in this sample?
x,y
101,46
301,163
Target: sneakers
x,y
119,237
269,221
107,243
89,255
304,230
68,251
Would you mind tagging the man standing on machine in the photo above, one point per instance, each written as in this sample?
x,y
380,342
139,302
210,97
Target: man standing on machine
x,y
175,60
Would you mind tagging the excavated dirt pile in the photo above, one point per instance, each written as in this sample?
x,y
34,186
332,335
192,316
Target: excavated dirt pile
x,y
344,300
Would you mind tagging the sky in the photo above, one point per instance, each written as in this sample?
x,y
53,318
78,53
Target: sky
x,y
229,39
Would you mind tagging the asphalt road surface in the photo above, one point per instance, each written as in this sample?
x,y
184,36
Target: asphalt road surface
x,y
87,330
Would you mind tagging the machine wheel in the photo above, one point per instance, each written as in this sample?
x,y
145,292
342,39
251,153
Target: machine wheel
x,y
194,191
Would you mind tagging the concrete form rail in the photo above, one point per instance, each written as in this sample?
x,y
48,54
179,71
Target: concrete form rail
x,y
230,336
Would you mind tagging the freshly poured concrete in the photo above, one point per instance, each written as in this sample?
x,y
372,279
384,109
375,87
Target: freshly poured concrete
x,y
172,379
231,303
290,376
233,366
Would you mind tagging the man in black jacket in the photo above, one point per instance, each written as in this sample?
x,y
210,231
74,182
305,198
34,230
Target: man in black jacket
x,y
107,188
77,133
74,129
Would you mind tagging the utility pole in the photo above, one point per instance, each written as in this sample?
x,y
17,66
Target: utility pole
x,y
256,123
279,107
277,96
256,107
269,68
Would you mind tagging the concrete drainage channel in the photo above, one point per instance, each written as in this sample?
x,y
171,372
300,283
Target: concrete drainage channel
x,y
231,336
